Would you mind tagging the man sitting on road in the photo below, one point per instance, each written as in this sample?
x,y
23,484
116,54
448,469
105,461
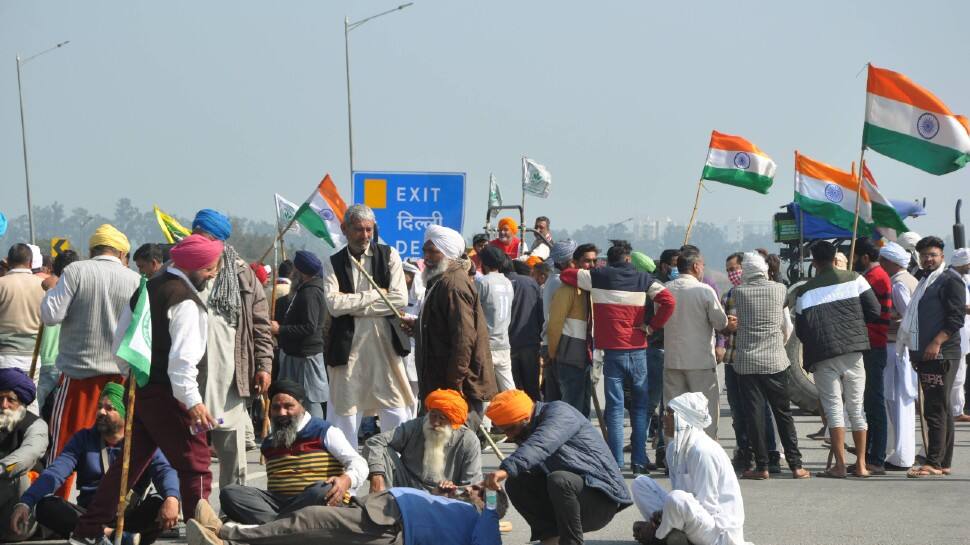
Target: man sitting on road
x,y
89,453
705,506
434,450
562,478
308,462
23,440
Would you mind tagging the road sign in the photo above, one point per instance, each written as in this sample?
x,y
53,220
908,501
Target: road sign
x,y
59,246
406,203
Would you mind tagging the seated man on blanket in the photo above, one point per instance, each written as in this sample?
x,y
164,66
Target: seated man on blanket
x,y
705,506
308,462
428,451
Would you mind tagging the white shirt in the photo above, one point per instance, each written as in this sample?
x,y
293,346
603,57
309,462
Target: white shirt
x,y
337,445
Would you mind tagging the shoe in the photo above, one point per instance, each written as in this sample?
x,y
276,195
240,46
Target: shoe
x,y
196,534
638,469
774,463
893,467
741,461
207,517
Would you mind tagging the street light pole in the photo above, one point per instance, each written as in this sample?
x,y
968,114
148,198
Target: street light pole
x,y
23,133
348,26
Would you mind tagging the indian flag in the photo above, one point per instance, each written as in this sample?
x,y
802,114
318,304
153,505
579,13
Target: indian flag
x,y
323,212
829,193
909,124
882,212
735,161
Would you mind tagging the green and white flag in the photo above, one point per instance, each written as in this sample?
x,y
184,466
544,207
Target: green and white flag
x,y
285,210
535,178
136,346
494,194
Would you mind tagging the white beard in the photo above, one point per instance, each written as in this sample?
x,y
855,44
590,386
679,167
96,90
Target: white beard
x,y
9,418
430,273
434,451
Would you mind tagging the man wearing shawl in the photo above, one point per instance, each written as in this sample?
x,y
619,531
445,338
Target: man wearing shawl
x,y
240,347
23,440
434,451
170,414
705,503
87,302
930,330
451,333
506,240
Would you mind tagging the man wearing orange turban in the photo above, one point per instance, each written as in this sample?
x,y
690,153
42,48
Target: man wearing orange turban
x,y
507,241
432,452
562,478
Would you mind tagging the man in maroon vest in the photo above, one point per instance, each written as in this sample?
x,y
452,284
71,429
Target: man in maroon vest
x,y
169,408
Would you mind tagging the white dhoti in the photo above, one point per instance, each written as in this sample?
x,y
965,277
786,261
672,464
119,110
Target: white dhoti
x,y
681,511
901,386
958,396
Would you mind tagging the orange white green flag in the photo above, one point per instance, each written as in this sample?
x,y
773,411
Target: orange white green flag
x,y
829,193
735,161
323,212
882,212
910,124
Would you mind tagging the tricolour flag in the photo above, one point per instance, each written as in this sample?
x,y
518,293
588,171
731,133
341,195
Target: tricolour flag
x,y
136,346
172,230
285,211
735,161
882,211
323,212
909,124
829,193
494,195
535,178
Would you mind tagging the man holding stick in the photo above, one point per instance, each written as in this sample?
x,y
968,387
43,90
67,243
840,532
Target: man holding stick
x,y
168,410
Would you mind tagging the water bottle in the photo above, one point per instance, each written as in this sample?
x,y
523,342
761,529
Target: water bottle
x,y
491,499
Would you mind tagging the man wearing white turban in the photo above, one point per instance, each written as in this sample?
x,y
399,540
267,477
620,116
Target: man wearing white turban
x,y
705,504
899,377
958,398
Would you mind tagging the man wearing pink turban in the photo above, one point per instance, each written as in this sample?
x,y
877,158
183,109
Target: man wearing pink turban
x,y
169,413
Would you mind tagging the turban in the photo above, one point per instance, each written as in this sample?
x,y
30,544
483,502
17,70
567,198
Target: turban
x,y
642,262
107,235
19,383
260,271
288,387
3,224
753,265
908,240
196,252
562,251
533,261
450,403
212,222
492,257
508,222
895,253
509,407
116,395
307,263
961,257
692,408
36,258
449,241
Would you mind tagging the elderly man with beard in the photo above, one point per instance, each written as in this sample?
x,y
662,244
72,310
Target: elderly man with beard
x,y
308,462
23,440
430,452
451,332
506,240
90,452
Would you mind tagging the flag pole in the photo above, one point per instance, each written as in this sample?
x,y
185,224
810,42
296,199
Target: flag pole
x,y
522,225
287,228
858,206
801,222
125,460
693,214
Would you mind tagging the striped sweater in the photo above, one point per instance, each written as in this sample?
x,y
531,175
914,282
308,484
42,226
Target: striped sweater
x,y
290,470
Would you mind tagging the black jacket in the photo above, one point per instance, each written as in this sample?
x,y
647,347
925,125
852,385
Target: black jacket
x,y
301,332
942,308
525,327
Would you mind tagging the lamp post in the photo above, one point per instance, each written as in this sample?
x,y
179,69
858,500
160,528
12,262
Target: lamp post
x,y
348,26
23,131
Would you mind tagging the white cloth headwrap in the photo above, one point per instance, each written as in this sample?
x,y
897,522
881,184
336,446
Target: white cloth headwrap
x,y
449,241
690,416
753,266
908,334
908,240
36,259
895,253
961,257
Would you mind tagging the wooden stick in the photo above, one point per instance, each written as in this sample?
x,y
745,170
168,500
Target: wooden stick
x,y
491,442
599,412
858,205
33,359
693,214
125,460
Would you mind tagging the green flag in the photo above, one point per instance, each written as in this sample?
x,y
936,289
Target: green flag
x,y
136,346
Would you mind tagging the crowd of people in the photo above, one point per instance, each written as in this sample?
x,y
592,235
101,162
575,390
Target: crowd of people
x,y
383,380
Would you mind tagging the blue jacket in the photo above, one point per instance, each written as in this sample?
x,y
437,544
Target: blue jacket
x,y
83,455
434,520
562,439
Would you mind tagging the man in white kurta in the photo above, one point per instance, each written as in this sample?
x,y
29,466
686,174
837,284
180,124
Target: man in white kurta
x,y
705,503
373,381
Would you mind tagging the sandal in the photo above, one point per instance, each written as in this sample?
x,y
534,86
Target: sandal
x,y
800,473
827,474
754,475
923,471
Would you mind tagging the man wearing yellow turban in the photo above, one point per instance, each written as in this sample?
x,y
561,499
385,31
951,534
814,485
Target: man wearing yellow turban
x,y
107,236
436,451
562,478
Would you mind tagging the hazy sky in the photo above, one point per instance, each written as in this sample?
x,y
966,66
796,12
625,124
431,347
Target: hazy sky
x,y
219,104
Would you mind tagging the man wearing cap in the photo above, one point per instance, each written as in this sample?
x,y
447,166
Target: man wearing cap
x,y
365,343
301,334
240,347
20,295
451,333
87,301
308,462
432,451
900,378
90,453
506,240
705,505
495,293
561,478
169,408
23,440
